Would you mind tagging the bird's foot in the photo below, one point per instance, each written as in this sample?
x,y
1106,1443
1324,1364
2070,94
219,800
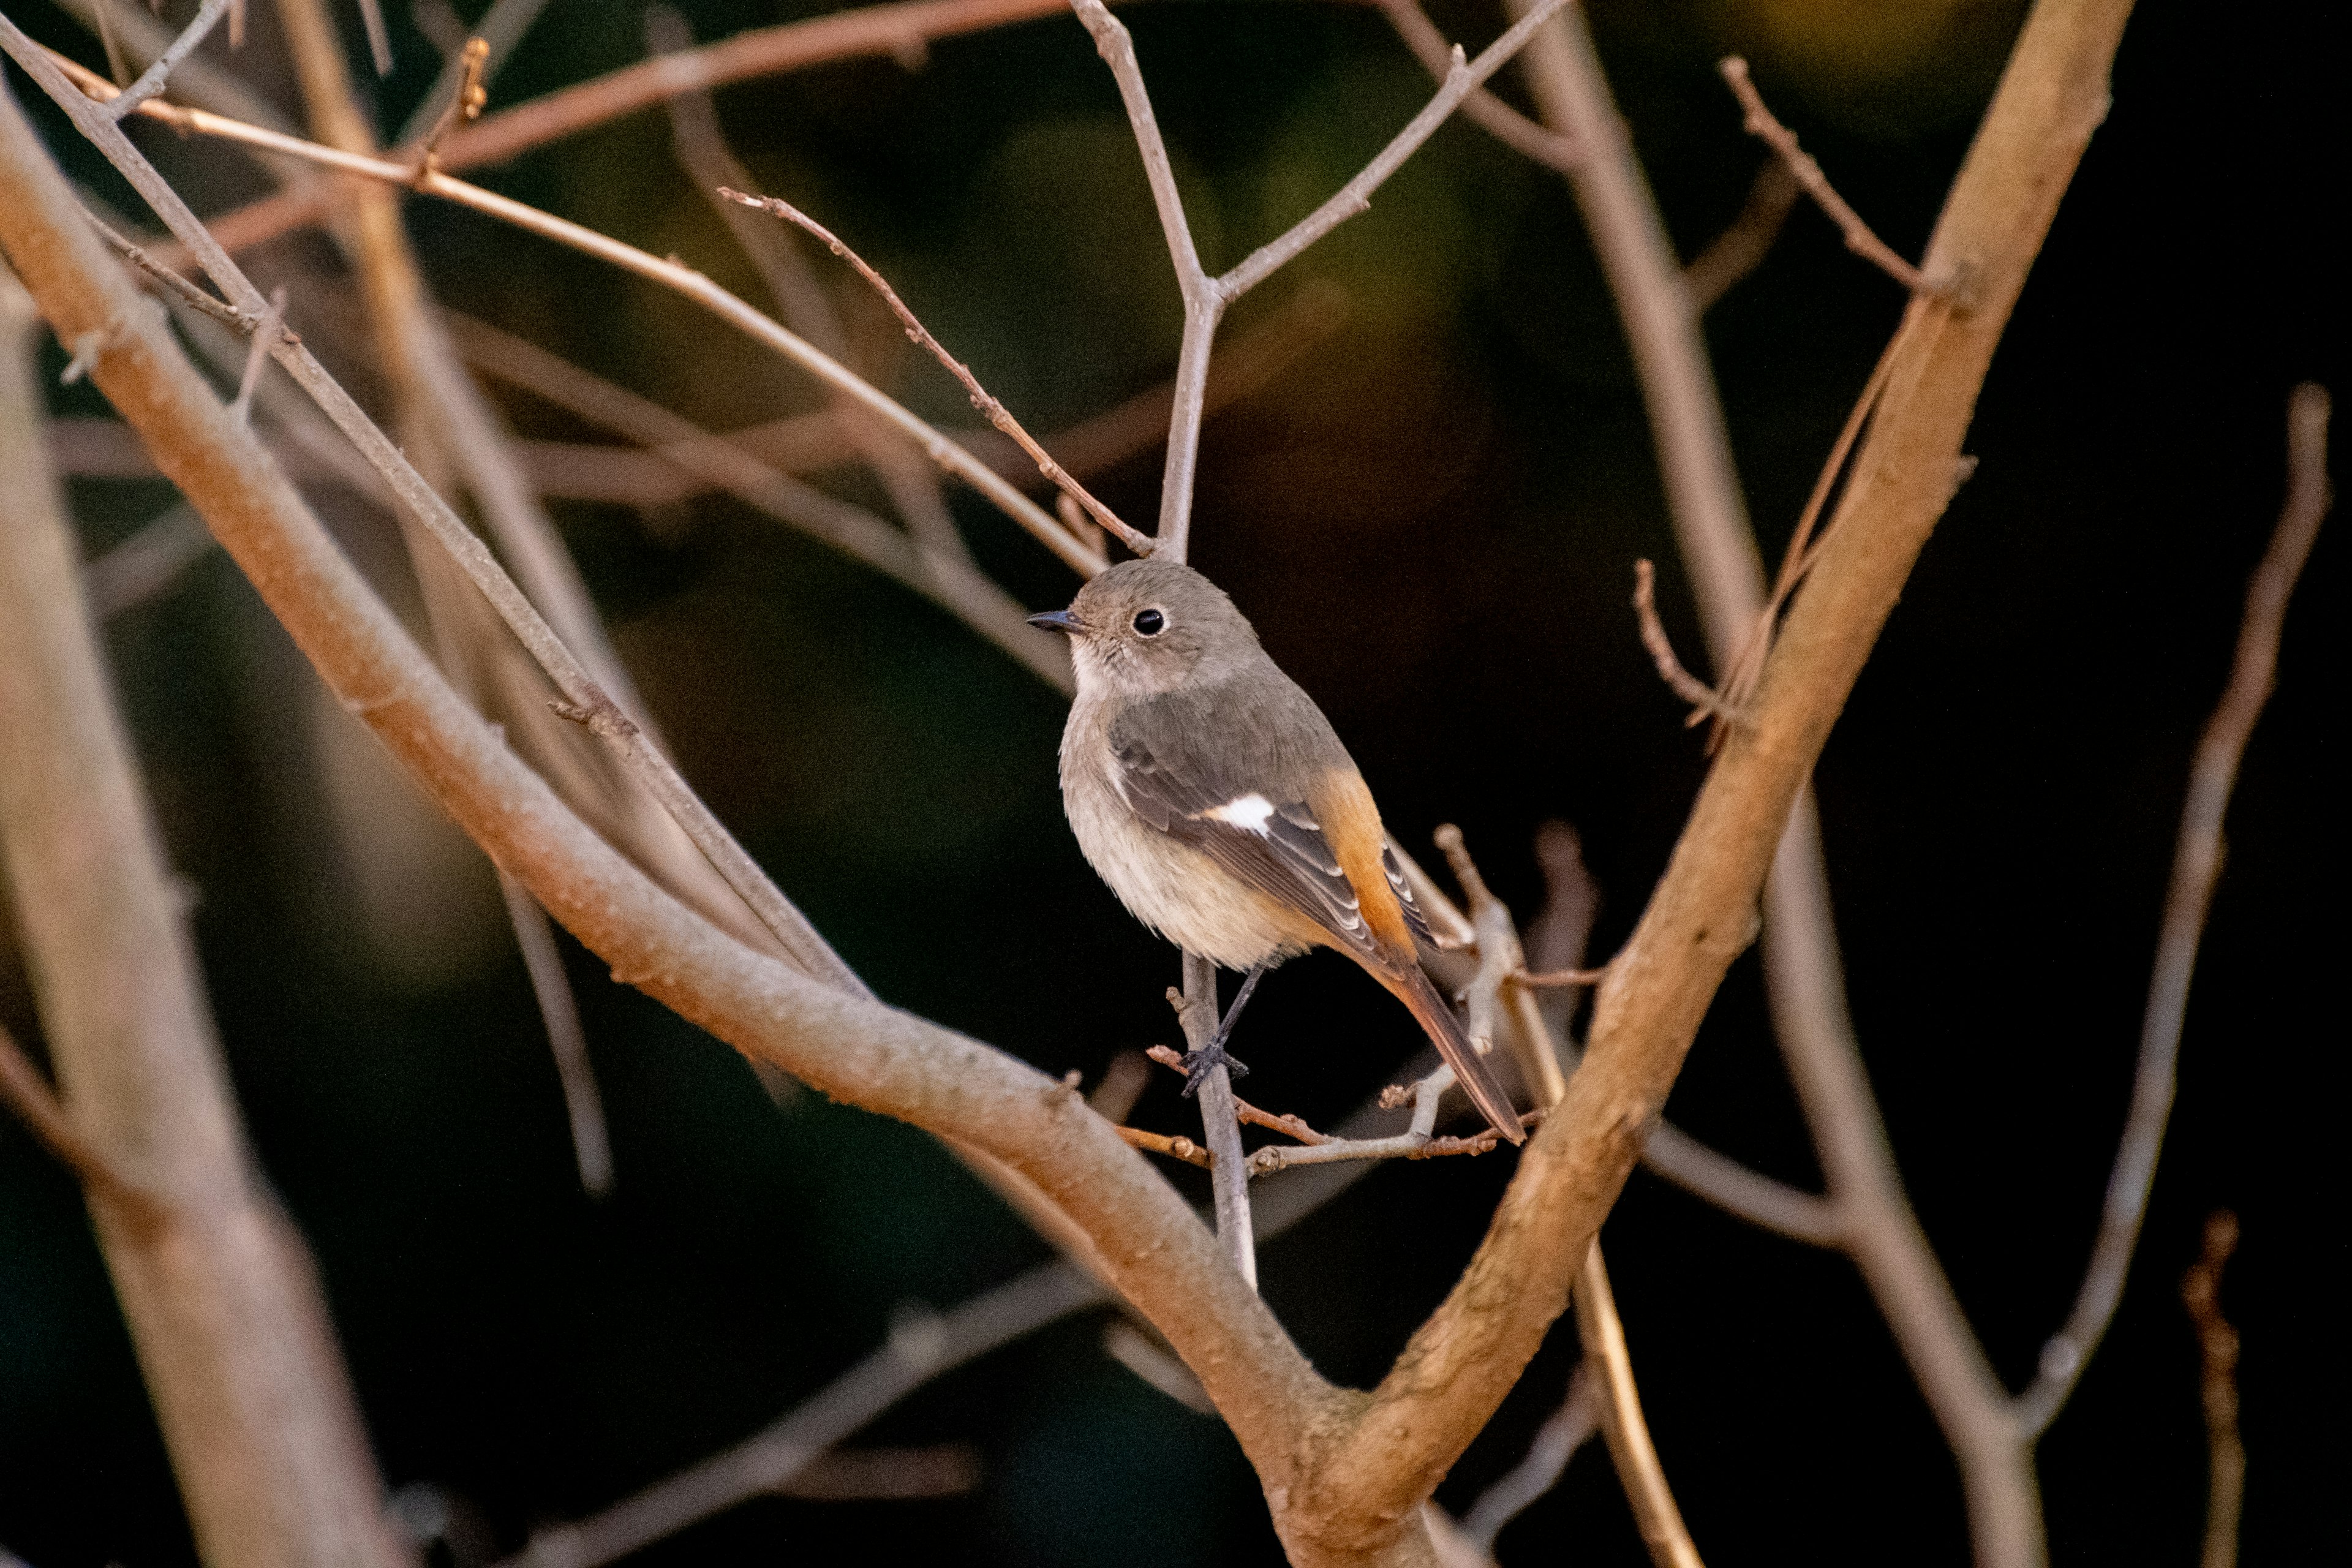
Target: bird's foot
x,y
1198,1062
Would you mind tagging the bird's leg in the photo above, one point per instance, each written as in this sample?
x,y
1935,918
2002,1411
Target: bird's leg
x,y
1209,1056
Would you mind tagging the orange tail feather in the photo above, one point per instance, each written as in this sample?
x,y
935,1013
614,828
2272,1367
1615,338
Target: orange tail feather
x,y
1444,1029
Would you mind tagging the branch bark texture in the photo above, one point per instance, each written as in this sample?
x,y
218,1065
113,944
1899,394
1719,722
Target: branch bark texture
x,y
223,1309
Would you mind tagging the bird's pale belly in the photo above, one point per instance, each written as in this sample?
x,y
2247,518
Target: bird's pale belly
x,y
1176,890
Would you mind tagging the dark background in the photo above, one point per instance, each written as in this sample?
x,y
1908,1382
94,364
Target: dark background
x,y
1432,521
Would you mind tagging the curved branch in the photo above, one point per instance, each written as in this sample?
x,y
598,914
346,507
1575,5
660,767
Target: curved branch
x,y
1150,1245
2053,96
2196,868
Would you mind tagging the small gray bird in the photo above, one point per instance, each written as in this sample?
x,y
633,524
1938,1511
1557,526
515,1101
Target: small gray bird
x,y
1211,794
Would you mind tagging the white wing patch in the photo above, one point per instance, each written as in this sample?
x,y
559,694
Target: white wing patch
x,y
1249,811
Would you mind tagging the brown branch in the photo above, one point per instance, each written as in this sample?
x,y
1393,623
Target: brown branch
x,y
1807,174
2051,97
1623,1423
1151,1244
906,475
233,1339
27,1092
862,33
466,102
2217,1347
567,1041
994,411
957,588
1742,246
1603,1335
1681,681
1177,1147
151,80
2196,871
681,279
887,1474
1800,951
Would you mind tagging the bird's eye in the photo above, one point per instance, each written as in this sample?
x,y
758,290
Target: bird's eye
x,y
1150,622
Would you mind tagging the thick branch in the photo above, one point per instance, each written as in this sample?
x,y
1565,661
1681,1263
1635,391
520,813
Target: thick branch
x,y
222,1307
1151,1246
1703,912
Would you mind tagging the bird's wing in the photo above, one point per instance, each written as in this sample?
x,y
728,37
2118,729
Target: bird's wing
x,y
1239,781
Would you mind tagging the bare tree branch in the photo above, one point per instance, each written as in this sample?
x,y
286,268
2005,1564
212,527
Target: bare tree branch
x,y
145,565
1596,1322
151,80
674,276
1206,297
1807,174
27,1093
862,33
956,587
1481,108
1623,1423
1741,247
995,412
1198,1012
2196,869
2053,96
223,1309
2217,1347
1556,1442
595,707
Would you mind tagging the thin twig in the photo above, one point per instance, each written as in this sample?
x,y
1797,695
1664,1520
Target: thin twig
x,y
24,1090
1206,297
567,1041
1682,682
151,80
1562,977
467,99
502,27
994,411
1288,1125
1420,1142
906,475
1783,142
1556,1442
1742,246
2196,868
958,587
1803,548
921,1348
682,279
2217,1348
1481,108
1175,1148
143,567
379,39
1623,1423
862,32
1229,1173
257,354
887,1474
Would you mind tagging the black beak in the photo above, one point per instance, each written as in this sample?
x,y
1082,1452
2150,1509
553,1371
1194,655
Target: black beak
x,y
1059,621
